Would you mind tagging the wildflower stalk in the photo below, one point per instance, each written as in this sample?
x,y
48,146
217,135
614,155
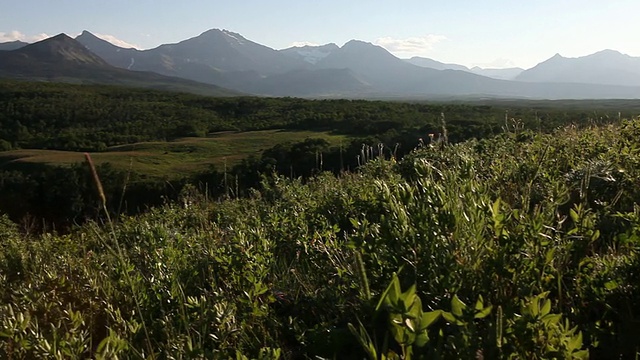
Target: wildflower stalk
x,y
499,328
362,274
445,133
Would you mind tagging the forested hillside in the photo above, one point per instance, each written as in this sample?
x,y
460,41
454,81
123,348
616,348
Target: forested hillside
x,y
92,118
149,144
521,245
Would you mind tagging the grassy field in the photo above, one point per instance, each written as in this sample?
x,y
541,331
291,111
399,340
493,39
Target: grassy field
x,y
176,158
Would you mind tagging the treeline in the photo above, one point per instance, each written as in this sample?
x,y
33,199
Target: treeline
x,y
42,197
92,118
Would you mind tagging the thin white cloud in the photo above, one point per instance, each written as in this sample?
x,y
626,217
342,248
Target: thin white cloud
x,y
16,35
115,41
410,46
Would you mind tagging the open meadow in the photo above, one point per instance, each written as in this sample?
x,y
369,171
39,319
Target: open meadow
x,y
171,160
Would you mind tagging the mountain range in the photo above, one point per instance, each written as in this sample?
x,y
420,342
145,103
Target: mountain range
x,y
224,59
63,59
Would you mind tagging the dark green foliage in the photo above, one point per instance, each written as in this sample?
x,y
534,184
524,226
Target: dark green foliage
x,y
92,118
523,245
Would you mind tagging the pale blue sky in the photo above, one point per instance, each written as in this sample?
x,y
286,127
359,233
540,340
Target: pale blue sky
x,y
490,33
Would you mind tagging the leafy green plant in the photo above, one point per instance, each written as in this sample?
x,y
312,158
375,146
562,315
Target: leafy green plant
x,y
408,323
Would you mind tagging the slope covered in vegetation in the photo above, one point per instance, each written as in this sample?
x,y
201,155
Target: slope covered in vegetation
x,y
522,245
155,142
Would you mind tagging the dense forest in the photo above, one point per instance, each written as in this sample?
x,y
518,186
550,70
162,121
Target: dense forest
x,y
92,118
97,118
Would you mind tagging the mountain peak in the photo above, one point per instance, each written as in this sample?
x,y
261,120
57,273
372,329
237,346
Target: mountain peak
x,y
354,43
608,54
61,48
609,51
56,42
363,47
329,46
12,45
59,37
214,31
91,41
608,67
221,35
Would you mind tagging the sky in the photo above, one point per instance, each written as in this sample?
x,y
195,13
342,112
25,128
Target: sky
x,y
488,33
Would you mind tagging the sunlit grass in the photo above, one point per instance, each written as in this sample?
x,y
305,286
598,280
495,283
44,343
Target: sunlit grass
x,y
174,159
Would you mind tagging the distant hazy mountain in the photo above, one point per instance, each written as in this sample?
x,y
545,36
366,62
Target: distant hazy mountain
x,y
605,67
433,64
220,50
12,45
310,54
317,83
228,51
393,76
216,57
61,58
375,65
503,74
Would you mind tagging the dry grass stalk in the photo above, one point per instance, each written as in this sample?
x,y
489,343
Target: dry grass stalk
x,y
96,179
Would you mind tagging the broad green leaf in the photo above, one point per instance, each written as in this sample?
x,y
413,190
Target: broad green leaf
x,y
429,318
483,313
582,354
546,308
421,339
415,309
549,256
480,303
457,306
534,307
611,285
449,317
496,207
551,319
390,295
576,342
574,216
409,296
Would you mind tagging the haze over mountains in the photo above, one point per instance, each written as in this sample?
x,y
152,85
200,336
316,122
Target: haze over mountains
x,y
504,74
604,67
358,69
